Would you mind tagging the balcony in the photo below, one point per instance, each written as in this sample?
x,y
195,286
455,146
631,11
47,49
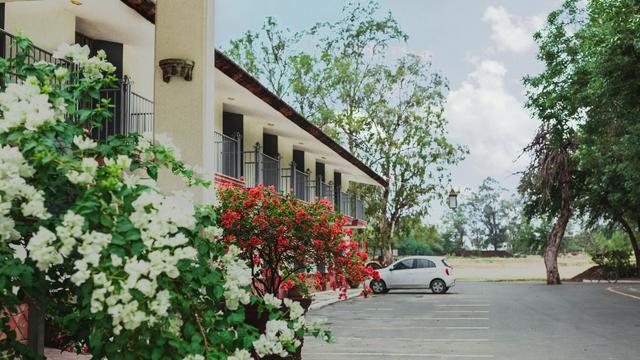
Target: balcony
x,y
252,168
131,113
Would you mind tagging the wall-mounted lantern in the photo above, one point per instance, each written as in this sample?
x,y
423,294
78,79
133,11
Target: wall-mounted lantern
x,y
176,67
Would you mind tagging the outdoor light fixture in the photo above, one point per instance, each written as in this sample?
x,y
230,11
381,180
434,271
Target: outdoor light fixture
x,y
452,200
176,67
230,98
270,124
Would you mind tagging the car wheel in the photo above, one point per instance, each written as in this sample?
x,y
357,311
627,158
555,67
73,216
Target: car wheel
x,y
378,286
438,286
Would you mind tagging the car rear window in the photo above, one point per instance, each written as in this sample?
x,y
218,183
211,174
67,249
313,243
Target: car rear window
x,y
444,261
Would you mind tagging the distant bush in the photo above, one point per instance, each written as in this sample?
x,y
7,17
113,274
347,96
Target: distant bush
x,y
612,251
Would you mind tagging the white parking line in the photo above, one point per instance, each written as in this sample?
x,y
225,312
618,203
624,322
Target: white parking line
x,y
423,318
404,355
411,327
414,339
462,311
456,305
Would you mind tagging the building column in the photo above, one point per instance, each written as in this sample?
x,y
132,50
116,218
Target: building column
x,y
184,110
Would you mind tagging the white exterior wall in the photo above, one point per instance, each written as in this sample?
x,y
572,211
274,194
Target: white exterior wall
x,y
138,64
46,24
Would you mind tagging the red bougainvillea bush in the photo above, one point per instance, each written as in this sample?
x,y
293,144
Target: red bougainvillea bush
x,y
284,239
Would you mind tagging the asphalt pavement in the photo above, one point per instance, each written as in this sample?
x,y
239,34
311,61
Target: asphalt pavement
x,y
486,320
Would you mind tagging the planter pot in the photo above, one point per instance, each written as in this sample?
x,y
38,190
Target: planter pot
x,y
259,321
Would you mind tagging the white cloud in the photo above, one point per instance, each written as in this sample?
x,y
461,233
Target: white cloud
x,y
492,122
511,32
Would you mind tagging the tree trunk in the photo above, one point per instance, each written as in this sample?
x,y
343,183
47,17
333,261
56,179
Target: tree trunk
x,y
387,234
557,233
634,242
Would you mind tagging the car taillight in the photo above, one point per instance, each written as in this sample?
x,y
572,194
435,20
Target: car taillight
x,y
446,270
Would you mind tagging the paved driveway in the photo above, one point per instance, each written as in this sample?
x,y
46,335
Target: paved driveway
x,y
483,320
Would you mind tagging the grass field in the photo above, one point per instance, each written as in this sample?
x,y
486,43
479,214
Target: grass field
x,y
523,268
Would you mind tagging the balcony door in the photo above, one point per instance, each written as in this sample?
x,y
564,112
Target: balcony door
x,y
270,161
230,148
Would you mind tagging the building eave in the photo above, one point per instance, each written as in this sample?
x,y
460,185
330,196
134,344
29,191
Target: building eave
x,y
146,8
246,80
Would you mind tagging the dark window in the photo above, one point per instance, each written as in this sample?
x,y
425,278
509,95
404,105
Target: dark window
x,y
444,261
2,17
232,124
424,263
404,265
270,145
298,158
337,180
320,171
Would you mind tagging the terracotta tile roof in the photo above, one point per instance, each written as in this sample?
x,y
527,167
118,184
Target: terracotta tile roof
x,y
147,9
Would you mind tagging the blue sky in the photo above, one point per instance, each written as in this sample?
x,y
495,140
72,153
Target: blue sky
x,y
484,48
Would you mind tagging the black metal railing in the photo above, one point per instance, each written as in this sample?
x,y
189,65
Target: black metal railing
x,y
260,168
324,190
9,49
130,111
228,152
350,204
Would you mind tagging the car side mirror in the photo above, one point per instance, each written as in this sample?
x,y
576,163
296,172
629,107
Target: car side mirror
x,y
391,268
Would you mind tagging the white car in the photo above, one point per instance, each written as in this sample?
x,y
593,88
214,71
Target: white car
x,y
415,272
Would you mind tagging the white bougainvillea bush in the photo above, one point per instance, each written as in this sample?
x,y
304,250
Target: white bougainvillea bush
x,y
118,267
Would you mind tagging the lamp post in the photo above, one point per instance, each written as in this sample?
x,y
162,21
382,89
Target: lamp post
x,y
452,200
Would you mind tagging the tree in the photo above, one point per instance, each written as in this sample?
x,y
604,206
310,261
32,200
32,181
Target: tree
x,y
586,153
608,152
391,116
406,141
455,230
550,183
490,214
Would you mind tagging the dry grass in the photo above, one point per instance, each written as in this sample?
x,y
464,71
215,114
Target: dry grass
x,y
512,269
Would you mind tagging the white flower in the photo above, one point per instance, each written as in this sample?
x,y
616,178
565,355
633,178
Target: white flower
x,y
75,52
61,73
42,251
86,174
194,357
240,354
130,181
121,161
271,300
116,260
165,141
69,231
84,143
23,104
295,309
214,232
161,304
82,273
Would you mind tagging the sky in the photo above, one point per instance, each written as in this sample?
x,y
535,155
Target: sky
x,y
483,47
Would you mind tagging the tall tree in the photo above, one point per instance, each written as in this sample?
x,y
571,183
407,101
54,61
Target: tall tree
x,y
391,116
455,229
406,140
586,156
550,183
608,153
490,213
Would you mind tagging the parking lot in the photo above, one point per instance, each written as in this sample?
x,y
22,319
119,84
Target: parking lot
x,y
485,320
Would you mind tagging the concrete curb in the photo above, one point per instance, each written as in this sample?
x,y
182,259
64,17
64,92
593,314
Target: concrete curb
x,y
324,298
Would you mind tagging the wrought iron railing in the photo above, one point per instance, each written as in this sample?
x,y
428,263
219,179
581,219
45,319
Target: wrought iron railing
x,y
324,190
260,168
228,152
350,204
130,111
